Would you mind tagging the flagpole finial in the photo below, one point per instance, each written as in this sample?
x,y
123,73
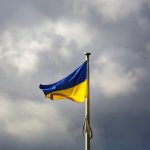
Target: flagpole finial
x,y
87,53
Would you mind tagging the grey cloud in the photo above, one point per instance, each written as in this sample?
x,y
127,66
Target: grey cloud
x,y
118,122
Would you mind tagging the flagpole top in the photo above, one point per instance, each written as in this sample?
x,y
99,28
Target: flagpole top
x,y
87,53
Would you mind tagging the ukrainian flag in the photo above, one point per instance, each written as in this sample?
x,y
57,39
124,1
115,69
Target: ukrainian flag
x,y
73,87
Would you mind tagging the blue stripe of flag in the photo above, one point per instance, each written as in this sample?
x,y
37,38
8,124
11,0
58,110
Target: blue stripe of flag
x,y
75,78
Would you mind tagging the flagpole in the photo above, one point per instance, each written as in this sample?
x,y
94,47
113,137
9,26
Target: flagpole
x,y
87,107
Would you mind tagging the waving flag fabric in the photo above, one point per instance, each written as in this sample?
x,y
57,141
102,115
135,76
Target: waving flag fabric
x,y
72,87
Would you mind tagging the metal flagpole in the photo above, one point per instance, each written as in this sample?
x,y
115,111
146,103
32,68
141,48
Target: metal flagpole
x,y
88,131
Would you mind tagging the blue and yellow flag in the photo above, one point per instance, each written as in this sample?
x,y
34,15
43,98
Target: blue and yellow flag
x,y
72,87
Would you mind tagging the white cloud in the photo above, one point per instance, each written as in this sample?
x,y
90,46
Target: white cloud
x,y
111,79
65,52
19,46
19,49
110,10
113,10
30,120
73,31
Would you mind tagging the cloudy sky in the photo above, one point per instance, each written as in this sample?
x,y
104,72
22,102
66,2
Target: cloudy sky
x,y
42,41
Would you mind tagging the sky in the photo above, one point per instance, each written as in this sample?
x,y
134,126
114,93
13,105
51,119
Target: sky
x,y
42,41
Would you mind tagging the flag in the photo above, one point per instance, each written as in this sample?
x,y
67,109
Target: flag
x,y
72,87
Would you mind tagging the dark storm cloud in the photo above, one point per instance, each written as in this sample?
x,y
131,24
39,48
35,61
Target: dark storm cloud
x,y
125,125
43,41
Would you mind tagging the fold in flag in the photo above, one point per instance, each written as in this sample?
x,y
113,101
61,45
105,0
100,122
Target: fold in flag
x,y
72,87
